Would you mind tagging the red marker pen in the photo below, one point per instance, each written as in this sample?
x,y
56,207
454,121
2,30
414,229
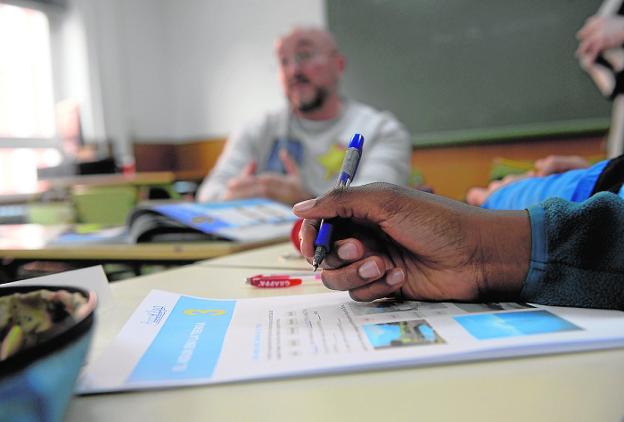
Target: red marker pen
x,y
279,280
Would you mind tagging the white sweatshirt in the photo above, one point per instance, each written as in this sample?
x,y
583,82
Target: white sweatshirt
x,y
385,158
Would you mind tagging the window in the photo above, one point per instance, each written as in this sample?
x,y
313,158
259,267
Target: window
x,y
27,117
26,96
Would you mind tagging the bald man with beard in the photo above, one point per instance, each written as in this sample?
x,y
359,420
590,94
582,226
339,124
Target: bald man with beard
x,y
294,153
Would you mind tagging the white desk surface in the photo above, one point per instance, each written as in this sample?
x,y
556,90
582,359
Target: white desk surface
x,y
568,387
282,256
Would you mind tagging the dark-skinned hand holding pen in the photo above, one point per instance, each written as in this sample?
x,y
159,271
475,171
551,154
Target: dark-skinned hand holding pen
x,y
390,240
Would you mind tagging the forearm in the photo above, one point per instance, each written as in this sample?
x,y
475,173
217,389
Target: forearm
x,y
237,154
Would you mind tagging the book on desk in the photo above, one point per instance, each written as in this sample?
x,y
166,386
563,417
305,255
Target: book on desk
x,y
247,220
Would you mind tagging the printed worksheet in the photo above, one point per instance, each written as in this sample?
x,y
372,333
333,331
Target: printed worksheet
x,y
175,340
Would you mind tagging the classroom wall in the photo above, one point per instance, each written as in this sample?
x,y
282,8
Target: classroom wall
x,y
224,69
190,69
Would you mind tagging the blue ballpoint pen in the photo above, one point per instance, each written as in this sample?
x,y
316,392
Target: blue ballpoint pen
x,y
347,173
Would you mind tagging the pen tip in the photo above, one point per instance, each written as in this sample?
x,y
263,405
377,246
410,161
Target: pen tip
x,y
314,267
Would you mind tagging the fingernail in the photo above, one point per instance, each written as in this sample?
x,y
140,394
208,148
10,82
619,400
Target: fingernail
x,y
347,251
304,205
369,270
395,277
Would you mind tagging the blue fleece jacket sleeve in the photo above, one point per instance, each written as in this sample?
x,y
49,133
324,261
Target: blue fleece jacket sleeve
x,y
577,253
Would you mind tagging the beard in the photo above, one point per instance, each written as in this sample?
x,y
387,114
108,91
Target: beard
x,y
315,103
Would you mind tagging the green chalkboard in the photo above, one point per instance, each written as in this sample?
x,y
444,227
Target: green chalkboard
x,y
470,70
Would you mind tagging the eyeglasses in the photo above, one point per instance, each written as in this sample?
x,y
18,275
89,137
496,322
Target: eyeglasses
x,y
300,58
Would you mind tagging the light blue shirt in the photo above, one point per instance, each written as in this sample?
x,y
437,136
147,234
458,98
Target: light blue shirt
x,y
573,185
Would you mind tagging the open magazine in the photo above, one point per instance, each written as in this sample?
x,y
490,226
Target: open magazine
x,y
241,220
175,340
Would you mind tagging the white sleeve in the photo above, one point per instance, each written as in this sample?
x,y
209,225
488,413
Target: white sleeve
x,y
237,153
387,155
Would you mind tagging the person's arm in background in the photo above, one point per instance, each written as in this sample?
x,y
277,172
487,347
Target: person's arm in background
x,y
419,246
286,188
478,196
229,182
553,176
236,159
388,158
237,174
558,164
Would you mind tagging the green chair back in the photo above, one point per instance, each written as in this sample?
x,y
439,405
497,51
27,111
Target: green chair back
x,y
105,205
